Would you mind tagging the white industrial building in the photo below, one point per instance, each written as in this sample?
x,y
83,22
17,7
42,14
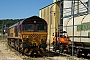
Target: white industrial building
x,y
51,13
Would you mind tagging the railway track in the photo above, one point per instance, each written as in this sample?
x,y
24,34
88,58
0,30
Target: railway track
x,y
8,53
67,55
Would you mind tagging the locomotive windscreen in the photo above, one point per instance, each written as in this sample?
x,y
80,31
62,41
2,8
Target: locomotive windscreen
x,y
35,27
34,24
28,27
41,27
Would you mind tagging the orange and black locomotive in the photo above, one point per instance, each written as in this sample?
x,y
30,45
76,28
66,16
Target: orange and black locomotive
x,y
29,36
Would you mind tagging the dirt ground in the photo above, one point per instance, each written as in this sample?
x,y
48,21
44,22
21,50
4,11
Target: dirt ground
x,y
8,53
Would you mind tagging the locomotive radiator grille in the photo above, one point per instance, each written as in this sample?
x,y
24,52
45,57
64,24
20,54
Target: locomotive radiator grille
x,y
34,35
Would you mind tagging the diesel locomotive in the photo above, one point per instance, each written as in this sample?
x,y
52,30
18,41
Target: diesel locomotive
x,y
29,36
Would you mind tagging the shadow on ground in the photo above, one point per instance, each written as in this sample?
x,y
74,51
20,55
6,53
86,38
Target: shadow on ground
x,y
86,57
49,54
52,54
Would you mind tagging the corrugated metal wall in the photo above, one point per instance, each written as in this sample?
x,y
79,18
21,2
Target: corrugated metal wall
x,y
52,16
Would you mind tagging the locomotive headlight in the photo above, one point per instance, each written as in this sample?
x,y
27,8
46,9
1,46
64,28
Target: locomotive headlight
x,y
25,38
34,21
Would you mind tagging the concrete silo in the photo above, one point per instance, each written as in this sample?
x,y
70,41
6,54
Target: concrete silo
x,y
51,13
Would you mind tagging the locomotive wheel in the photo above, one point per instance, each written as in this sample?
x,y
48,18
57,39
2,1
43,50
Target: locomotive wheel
x,y
25,51
61,48
21,48
16,45
30,51
85,54
69,51
75,51
8,42
54,47
42,51
17,48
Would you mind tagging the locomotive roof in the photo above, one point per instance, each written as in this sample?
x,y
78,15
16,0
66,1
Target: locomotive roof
x,y
30,18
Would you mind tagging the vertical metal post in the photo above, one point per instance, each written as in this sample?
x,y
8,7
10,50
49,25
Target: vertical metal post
x,y
61,15
88,6
2,30
50,28
77,6
72,12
